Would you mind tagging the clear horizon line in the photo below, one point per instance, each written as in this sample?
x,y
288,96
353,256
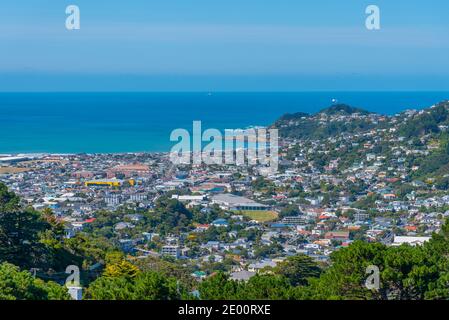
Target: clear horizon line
x,y
219,91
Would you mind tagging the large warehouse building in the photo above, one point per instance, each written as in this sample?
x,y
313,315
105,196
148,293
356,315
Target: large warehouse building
x,y
233,202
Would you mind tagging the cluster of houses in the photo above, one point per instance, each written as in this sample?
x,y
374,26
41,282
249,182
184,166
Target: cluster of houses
x,y
315,208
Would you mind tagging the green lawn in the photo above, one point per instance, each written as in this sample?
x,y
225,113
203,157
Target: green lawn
x,y
259,215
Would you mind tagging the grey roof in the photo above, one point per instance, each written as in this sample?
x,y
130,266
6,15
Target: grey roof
x,y
242,275
231,199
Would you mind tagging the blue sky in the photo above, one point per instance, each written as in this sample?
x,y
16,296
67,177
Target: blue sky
x,y
233,45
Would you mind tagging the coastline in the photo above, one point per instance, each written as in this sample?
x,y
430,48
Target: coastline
x,y
118,123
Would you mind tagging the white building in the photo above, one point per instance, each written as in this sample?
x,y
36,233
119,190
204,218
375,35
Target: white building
x,y
413,241
232,202
172,251
75,292
188,198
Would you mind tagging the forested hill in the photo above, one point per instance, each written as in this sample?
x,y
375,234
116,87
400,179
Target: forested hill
x,y
342,109
336,119
342,118
419,138
428,121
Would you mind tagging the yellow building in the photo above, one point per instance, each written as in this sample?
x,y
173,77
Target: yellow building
x,y
108,183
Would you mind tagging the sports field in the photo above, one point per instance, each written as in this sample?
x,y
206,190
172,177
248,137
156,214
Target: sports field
x,y
259,215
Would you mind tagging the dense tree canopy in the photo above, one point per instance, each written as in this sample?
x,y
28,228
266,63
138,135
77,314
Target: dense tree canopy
x,y
124,281
298,269
20,285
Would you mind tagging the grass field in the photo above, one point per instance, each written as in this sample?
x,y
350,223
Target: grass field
x,y
259,215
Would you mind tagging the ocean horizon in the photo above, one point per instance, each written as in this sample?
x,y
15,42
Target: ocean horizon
x,y
142,121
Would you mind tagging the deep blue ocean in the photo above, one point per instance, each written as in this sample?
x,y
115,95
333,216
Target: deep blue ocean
x,y
135,122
